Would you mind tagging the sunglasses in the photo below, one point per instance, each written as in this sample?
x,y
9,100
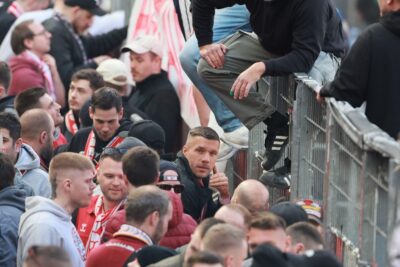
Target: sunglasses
x,y
109,151
178,188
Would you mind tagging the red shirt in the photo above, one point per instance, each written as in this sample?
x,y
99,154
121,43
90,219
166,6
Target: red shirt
x,y
85,220
116,251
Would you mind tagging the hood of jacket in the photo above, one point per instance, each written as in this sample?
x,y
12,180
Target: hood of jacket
x,y
20,62
177,210
38,204
391,21
27,159
14,196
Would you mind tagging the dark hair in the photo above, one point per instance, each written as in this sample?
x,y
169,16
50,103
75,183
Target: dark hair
x,y
5,75
18,36
205,132
28,99
10,122
7,171
143,201
106,98
205,257
95,79
113,153
49,256
267,221
141,165
369,10
303,232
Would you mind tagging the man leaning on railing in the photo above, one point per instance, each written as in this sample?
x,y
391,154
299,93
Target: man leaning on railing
x,y
371,71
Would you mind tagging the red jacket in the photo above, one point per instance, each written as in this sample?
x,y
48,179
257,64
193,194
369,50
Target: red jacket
x,y
25,75
116,251
180,227
85,220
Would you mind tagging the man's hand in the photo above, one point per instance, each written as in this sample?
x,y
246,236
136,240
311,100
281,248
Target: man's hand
x,y
241,87
220,182
50,61
320,99
214,54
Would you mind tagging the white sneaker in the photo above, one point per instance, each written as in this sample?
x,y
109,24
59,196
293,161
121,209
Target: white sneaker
x,y
239,138
225,152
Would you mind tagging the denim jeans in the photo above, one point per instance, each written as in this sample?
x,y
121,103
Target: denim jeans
x,y
226,22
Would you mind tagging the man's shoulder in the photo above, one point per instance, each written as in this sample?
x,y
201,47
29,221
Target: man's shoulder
x,y
78,141
52,24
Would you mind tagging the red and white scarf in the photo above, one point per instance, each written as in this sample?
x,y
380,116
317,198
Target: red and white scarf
x,y
91,144
15,9
70,122
100,222
44,70
131,231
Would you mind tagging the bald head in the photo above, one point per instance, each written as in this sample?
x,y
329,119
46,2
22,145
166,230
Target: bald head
x,y
34,122
234,214
253,195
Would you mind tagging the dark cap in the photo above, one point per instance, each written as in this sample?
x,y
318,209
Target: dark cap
x,y
165,166
152,254
130,142
150,133
89,5
290,212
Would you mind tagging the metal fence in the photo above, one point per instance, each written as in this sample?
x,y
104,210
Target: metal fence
x,y
341,160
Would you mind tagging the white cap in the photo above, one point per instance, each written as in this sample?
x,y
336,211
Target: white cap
x,y
143,44
114,71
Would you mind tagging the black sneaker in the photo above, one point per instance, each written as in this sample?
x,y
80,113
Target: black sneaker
x,y
275,143
279,178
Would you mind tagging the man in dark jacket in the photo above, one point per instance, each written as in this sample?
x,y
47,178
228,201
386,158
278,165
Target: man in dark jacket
x,y
70,48
289,36
106,112
6,101
154,93
195,163
371,70
12,205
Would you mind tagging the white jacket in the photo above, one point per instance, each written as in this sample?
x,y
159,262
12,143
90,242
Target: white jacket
x,y
46,223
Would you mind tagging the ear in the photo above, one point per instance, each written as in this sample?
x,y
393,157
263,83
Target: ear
x,y
299,248
43,137
228,260
28,43
121,114
154,218
2,91
91,112
185,148
18,144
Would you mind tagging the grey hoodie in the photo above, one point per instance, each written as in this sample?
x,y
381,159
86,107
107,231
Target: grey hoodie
x,y
28,171
12,205
47,223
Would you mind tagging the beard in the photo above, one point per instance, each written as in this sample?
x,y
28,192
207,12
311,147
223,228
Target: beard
x,y
47,153
159,232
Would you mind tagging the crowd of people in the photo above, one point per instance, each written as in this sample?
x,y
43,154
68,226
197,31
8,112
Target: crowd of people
x,y
97,170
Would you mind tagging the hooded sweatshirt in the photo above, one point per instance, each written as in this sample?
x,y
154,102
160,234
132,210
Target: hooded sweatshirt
x,y
28,171
12,205
370,72
47,223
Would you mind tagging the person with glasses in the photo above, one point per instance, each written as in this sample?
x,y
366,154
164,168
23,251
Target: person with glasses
x,y
91,220
182,225
32,66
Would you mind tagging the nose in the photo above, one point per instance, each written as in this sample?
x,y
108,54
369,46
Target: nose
x,y
206,157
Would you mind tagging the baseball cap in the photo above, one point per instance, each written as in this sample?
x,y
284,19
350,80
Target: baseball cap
x,y
166,166
290,212
143,44
114,71
89,5
313,210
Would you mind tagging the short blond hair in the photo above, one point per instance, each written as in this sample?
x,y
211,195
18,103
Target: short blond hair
x,y
64,162
222,237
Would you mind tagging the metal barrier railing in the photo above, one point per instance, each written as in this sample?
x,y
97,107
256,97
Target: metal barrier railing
x,y
340,159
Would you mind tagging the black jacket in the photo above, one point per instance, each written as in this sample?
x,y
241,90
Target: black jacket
x,y
294,30
65,49
7,104
79,140
371,72
156,97
195,198
6,20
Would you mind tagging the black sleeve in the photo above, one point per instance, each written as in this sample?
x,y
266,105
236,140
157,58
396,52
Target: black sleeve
x,y
351,80
164,109
309,26
203,17
102,44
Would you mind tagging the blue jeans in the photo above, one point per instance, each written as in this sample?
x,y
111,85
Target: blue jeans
x,y
226,22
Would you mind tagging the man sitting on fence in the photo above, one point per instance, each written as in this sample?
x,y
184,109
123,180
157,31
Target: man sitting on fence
x,y
371,65
289,36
